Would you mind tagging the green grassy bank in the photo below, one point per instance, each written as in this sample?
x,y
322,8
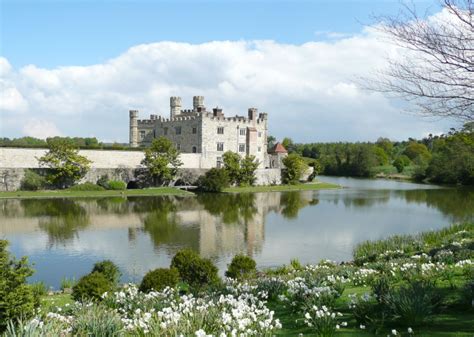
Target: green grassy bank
x,y
92,194
314,186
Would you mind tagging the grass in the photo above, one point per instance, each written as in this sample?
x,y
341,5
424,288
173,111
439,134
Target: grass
x,y
282,188
84,194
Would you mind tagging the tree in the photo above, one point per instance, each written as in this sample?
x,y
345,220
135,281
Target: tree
x,y
65,163
270,141
436,70
215,180
400,162
248,166
16,297
162,160
288,144
416,150
295,166
232,166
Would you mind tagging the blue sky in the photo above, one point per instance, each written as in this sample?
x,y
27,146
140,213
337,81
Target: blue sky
x,y
46,45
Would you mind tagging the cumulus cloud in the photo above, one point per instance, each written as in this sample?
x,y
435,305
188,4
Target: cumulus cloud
x,y
40,129
308,89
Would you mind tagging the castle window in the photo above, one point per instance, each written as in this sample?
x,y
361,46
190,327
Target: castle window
x,y
178,146
165,131
194,149
241,147
243,132
220,130
219,162
142,135
194,131
220,146
178,130
259,149
260,134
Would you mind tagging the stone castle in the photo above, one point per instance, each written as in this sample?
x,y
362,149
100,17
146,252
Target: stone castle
x,y
207,133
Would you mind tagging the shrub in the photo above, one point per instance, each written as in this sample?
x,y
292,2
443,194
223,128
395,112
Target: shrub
x,y
91,287
16,297
215,180
400,163
194,270
159,279
103,181
108,269
414,303
86,187
32,181
117,185
295,166
241,267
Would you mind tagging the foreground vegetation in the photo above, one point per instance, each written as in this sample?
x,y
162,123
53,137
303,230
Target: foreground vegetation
x,y
412,285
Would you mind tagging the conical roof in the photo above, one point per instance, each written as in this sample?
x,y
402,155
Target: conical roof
x,y
278,148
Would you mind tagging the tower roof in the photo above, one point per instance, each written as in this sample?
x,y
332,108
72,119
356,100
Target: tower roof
x,y
278,148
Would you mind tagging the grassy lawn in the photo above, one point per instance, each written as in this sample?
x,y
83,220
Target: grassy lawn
x,y
282,188
85,194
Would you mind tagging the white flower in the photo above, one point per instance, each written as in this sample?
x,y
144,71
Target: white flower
x,y
394,332
410,330
362,326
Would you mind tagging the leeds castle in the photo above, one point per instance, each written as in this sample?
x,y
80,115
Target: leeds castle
x,y
206,133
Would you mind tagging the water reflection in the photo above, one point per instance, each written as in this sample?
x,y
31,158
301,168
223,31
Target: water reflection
x,y
65,236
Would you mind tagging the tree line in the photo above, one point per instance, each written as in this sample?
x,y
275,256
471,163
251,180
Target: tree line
x,y
80,142
446,158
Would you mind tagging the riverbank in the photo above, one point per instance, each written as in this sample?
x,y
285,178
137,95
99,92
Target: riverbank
x,y
405,285
314,186
159,191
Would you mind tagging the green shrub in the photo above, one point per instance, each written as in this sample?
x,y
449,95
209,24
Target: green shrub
x,y
91,287
241,267
295,166
32,181
414,303
159,279
16,297
215,180
86,187
400,163
194,270
108,269
116,185
103,181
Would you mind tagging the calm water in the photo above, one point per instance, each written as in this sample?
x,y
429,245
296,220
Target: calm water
x,y
64,237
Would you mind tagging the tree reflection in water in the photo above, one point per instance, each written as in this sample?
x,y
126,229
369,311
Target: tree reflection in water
x,y
232,208
60,219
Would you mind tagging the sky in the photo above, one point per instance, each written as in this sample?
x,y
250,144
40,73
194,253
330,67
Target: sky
x,y
75,68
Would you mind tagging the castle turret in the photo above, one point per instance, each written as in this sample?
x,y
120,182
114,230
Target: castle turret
x,y
198,103
253,113
133,128
175,106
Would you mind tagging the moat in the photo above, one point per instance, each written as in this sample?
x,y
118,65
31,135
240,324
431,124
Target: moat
x,y
64,237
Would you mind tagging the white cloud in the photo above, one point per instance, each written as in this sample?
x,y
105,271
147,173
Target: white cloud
x,y
308,90
40,129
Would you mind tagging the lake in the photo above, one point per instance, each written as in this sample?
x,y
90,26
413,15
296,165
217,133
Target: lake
x,y
65,237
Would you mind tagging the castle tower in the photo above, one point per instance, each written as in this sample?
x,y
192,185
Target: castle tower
x,y
198,103
133,128
175,106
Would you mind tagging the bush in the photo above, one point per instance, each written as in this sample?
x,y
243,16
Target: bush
x,y
215,180
16,296
401,162
86,187
116,185
159,279
32,181
414,303
194,270
295,166
109,270
103,181
241,267
91,287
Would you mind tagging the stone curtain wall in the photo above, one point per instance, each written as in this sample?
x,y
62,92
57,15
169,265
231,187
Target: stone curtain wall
x,y
122,165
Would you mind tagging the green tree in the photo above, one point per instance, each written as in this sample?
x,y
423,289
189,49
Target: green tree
x,y
295,166
232,166
214,180
288,144
162,160
381,155
415,150
65,163
248,166
400,162
270,141
16,297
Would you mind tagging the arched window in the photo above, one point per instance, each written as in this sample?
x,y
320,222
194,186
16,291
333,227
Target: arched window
x,y
194,149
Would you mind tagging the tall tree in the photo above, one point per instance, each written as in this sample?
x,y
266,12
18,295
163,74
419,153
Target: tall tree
x,y
436,71
65,163
162,161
